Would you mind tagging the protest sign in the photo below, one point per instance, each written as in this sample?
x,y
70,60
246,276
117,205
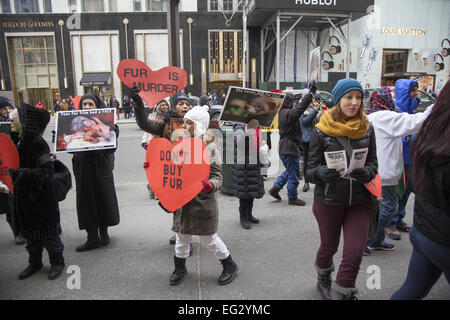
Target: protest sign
x,y
75,102
9,159
242,105
175,171
375,186
154,86
85,130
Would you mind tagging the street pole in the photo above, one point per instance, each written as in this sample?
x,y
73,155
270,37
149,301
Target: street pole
x,y
244,45
173,29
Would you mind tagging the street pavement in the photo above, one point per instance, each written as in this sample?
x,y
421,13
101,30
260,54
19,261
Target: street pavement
x,y
275,257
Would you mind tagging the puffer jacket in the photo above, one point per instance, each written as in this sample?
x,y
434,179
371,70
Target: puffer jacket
x,y
432,204
247,179
344,192
289,125
405,103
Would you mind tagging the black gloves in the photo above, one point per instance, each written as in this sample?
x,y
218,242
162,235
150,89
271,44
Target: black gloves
x,y
326,175
134,94
362,175
312,87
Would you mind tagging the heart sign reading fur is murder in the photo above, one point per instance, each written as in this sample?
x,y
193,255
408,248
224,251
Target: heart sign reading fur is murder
x,y
175,171
154,86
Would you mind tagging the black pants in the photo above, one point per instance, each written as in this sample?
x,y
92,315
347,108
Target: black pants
x,y
305,146
54,247
246,204
11,216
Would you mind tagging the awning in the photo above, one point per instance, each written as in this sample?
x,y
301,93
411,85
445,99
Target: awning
x,y
94,79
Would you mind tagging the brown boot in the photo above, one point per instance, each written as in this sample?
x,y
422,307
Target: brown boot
x,y
274,192
296,202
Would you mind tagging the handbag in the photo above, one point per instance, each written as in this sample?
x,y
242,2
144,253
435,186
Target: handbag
x,y
374,201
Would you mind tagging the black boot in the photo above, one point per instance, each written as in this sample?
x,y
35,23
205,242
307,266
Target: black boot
x,y
324,281
341,293
57,265
179,272
29,271
93,241
243,217
251,218
34,262
104,236
230,269
306,187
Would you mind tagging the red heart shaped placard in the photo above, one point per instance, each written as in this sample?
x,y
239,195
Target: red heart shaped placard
x,y
154,86
175,171
9,159
76,102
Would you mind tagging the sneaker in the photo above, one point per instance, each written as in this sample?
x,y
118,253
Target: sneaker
x,y
393,233
274,192
367,251
385,246
403,226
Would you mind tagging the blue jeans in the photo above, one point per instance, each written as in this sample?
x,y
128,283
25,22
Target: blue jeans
x,y
388,209
291,175
401,213
428,261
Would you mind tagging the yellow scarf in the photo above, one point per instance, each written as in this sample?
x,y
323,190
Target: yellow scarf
x,y
354,128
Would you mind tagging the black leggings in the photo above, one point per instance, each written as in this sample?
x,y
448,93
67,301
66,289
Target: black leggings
x,y
246,204
305,158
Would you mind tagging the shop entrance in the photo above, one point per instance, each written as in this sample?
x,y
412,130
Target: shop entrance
x,y
221,88
394,61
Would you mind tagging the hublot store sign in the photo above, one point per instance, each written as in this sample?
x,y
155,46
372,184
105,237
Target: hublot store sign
x,y
329,5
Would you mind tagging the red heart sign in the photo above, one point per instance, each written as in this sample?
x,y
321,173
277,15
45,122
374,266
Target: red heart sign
x,y
175,171
9,159
76,102
154,86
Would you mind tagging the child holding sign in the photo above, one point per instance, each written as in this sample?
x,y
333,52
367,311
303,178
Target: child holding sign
x,y
200,216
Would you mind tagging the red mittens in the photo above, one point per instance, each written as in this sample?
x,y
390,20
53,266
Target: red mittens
x,y
207,186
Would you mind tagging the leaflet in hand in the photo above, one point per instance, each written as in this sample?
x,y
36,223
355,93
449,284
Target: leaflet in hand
x,y
338,160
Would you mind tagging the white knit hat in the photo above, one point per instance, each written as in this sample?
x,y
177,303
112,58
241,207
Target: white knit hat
x,y
200,116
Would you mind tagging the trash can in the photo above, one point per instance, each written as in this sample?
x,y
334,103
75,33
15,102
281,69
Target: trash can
x,y
227,168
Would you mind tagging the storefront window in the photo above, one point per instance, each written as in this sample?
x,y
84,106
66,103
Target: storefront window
x,y
27,6
6,7
35,72
225,58
227,5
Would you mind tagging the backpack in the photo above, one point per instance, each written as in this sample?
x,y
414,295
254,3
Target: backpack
x,y
61,179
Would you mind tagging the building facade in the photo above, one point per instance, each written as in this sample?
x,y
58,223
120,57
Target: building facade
x,y
54,49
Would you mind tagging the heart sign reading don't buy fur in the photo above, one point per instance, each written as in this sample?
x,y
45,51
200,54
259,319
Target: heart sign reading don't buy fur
x,y
175,171
154,86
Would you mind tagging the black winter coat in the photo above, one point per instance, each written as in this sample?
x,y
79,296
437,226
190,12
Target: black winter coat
x,y
247,180
96,194
344,192
35,199
432,204
289,125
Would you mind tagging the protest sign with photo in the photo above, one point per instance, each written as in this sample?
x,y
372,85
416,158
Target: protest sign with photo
x,y
243,105
85,130
154,86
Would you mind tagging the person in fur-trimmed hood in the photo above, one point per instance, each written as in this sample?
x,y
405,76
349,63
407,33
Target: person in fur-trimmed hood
x,y
35,199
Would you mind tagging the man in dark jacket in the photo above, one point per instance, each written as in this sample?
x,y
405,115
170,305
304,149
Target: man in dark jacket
x,y
289,149
36,202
